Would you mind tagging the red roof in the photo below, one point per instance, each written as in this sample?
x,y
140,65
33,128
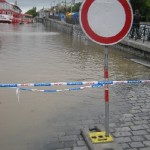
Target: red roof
x,y
2,1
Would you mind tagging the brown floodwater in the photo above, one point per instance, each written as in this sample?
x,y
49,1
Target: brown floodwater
x,y
34,53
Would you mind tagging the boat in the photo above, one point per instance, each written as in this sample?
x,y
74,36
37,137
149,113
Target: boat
x,y
5,18
11,13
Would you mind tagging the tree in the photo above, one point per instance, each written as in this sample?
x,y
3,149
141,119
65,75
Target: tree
x,y
75,8
143,6
147,2
32,12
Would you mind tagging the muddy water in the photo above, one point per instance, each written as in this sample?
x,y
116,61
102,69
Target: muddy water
x,y
33,53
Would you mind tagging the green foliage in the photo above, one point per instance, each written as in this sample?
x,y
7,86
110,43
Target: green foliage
x,y
143,6
75,8
32,12
147,3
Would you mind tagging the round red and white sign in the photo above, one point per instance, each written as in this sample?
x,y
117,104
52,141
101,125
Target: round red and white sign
x,y
106,22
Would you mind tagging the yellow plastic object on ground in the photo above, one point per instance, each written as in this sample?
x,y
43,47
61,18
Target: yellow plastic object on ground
x,y
100,137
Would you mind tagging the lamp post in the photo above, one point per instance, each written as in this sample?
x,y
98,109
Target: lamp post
x,y
71,7
65,7
58,6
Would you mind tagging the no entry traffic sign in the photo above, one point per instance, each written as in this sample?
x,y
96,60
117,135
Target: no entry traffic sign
x,y
106,22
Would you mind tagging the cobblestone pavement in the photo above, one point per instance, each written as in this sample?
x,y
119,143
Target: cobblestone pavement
x,y
132,130
129,121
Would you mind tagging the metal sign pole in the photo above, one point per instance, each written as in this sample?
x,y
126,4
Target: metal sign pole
x,y
106,91
97,28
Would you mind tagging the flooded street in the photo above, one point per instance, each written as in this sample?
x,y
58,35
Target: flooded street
x,y
32,53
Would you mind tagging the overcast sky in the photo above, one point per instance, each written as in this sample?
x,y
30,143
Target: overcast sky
x,y
28,4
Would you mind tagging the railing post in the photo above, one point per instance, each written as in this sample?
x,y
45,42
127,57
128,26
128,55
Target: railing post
x,y
144,33
148,36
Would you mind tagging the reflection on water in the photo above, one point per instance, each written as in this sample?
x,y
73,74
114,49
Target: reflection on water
x,y
33,53
28,34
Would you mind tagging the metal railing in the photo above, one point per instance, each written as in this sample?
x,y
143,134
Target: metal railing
x,y
140,32
54,17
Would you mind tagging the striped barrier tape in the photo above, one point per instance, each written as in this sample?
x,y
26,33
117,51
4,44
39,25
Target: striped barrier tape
x,y
49,84
90,84
54,91
74,83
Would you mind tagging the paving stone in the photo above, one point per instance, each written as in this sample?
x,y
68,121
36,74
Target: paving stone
x,y
123,139
132,149
136,144
69,144
139,127
136,107
123,129
148,130
69,138
132,102
133,99
137,118
147,143
124,145
141,122
112,125
145,110
142,114
135,111
112,130
73,132
120,134
137,138
143,96
80,143
80,138
65,149
147,148
139,132
145,117
127,115
140,104
126,119
54,145
126,124
80,148
147,137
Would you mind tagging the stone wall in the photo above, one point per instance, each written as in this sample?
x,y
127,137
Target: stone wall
x,y
59,25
